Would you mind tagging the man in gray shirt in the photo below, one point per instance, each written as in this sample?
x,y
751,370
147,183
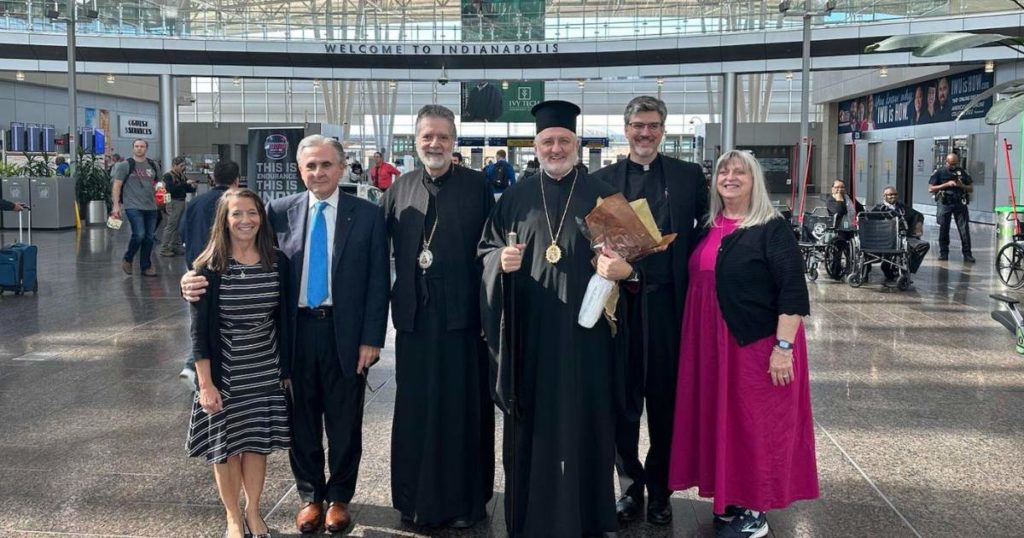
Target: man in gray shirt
x,y
135,197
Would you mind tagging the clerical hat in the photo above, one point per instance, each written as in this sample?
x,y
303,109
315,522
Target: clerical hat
x,y
555,114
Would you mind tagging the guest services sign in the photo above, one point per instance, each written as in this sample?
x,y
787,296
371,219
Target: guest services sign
x,y
132,126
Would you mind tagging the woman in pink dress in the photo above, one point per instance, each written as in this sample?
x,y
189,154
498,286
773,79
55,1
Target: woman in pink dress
x,y
743,428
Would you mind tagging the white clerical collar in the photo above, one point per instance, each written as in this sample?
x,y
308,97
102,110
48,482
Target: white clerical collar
x,y
646,167
331,200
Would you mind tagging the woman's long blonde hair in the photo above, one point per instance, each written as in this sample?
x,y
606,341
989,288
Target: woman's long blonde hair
x,y
761,209
218,249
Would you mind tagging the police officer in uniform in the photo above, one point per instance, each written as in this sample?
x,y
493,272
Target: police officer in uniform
x,y
951,186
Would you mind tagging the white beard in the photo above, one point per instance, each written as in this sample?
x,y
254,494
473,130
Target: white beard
x,y
561,170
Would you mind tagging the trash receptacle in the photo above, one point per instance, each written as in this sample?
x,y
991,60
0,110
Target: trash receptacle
x,y
97,212
1005,225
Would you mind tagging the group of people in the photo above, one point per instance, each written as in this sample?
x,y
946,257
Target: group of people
x,y
137,198
290,304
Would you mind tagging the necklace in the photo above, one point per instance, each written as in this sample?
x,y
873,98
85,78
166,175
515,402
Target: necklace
x,y
554,252
426,257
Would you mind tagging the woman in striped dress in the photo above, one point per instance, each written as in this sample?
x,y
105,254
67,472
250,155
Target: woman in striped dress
x,y
240,413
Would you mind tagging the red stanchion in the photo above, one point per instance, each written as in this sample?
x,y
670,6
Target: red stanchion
x,y
1013,194
806,179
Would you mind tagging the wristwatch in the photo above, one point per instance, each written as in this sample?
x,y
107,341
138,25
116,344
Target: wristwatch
x,y
633,277
785,345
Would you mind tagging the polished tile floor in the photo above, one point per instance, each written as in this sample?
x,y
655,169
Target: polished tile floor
x,y
918,400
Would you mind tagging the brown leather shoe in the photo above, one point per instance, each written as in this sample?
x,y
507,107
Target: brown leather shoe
x,y
310,517
150,272
338,518
126,267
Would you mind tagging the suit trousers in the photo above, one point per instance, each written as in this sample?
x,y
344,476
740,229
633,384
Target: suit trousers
x,y
324,398
655,383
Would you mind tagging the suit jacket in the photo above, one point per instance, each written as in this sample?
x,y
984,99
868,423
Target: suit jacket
x,y
465,201
360,270
688,207
195,226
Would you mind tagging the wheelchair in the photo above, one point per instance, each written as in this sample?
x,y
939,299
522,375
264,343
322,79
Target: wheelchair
x,y
882,240
821,243
1011,319
1010,263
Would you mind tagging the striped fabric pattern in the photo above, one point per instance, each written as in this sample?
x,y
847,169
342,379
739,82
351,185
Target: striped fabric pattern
x,y
255,414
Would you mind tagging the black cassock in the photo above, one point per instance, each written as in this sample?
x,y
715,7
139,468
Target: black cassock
x,y
566,388
442,448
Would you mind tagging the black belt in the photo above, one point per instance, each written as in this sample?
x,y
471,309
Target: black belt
x,y
322,312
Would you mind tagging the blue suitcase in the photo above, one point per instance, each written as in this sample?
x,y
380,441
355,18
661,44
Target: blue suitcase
x,y
18,263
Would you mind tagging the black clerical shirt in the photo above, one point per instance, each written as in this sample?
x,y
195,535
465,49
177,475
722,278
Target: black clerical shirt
x,y
648,181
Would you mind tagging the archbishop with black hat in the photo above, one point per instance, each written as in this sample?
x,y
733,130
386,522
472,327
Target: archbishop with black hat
x,y
559,447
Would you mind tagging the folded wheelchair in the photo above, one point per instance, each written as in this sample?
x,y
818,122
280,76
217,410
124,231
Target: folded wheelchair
x,y
821,244
881,240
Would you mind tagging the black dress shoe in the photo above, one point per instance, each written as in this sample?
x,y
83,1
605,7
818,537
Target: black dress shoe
x,y
968,258
461,523
627,509
943,257
659,511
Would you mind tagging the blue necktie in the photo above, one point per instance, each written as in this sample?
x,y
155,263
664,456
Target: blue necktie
x,y
316,278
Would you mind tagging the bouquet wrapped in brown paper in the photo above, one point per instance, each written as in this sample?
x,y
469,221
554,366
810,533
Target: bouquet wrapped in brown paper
x,y
629,230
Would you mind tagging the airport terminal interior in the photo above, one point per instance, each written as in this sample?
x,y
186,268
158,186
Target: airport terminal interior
x,y
916,381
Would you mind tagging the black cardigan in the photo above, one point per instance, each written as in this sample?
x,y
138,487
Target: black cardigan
x,y
205,314
758,277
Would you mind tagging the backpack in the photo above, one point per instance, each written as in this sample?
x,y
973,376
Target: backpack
x,y
131,168
499,178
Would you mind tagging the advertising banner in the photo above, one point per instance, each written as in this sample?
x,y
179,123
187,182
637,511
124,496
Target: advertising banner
x,y
272,170
503,20
932,101
484,100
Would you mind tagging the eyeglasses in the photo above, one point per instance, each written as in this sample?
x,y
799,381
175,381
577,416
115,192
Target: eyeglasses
x,y
639,126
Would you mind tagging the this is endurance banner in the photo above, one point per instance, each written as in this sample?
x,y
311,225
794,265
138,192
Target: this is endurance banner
x,y
272,170
932,101
484,100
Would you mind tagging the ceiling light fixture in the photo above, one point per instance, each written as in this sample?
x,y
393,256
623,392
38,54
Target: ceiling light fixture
x,y
789,75
20,75
883,72
504,84
392,85
990,66
661,82
581,83
316,83
111,79
237,81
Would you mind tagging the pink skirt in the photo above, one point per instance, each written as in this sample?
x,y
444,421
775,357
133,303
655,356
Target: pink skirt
x,y
736,437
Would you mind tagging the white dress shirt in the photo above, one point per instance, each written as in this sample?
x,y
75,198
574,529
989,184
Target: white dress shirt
x,y
331,216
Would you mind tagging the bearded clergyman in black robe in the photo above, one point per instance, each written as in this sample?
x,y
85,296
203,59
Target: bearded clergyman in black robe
x,y
442,448
559,447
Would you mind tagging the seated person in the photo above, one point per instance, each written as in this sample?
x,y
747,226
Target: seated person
x,y
914,222
843,210
842,207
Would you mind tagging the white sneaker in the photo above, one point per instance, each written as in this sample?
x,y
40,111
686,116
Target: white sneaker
x,y
188,377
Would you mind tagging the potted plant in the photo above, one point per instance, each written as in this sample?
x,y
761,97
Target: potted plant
x,y
92,187
36,166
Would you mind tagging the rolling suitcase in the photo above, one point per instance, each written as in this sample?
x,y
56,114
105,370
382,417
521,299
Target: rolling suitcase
x,y
18,262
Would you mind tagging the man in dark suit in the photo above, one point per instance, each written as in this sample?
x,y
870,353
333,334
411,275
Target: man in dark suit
x,y
337,249
678,197
195,233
